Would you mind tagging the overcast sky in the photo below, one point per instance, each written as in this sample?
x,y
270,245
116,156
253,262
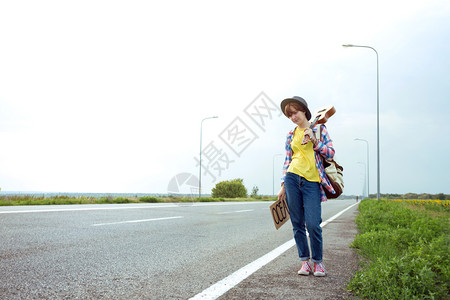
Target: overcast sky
x,y
108,96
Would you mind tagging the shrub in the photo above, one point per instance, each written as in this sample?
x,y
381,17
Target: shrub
x,y
121,200
148,199
210,199
105,200
229,189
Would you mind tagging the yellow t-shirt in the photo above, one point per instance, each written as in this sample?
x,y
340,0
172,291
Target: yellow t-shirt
x,y
303,160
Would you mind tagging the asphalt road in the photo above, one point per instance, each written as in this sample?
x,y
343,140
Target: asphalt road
x,y
137,251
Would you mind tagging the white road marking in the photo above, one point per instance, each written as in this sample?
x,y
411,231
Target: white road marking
x,y
323,224
137,221
236,211
224,285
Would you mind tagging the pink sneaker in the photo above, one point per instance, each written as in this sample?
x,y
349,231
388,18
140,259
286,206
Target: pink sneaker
x,y
306,268
319,270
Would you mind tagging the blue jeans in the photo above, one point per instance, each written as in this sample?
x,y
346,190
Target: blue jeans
x,y
304,202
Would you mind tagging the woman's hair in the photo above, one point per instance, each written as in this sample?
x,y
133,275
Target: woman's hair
x,y
293,106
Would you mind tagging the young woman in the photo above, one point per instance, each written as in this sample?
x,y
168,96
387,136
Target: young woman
x,y
304,181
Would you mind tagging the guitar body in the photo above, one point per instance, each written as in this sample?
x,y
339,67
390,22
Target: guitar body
x,y
322,115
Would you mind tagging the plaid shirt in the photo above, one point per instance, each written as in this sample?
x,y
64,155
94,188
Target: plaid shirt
x,y
323,147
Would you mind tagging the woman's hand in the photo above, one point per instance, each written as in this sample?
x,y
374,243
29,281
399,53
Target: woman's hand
x,y
281,193
308,136
309,132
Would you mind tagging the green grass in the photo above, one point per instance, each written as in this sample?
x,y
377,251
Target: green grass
x,y
40,200
404,251
65,200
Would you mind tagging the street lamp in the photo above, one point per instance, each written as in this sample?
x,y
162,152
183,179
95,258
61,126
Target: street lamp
x,y
368,181
365,173
273,172
200,171
378,117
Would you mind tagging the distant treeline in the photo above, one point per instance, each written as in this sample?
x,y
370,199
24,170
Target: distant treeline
x,y
424,196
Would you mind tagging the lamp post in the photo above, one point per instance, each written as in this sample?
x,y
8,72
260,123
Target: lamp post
x,y
273,172
365,173
200,171
378,117
368,181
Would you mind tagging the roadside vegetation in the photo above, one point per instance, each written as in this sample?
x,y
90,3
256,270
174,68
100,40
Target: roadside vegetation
x,y
423,196
65,200
404,246
230,190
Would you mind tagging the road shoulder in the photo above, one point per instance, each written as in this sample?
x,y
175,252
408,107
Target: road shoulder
x,y
279,279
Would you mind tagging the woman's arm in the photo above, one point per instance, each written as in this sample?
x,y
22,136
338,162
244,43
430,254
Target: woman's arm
x,y
288,158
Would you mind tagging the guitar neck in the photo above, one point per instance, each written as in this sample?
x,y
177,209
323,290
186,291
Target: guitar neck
x,y
314,122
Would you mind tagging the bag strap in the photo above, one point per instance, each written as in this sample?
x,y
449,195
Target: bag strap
x,y
325,162
319,133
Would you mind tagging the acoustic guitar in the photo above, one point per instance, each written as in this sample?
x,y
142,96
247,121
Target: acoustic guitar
x,y
320,117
